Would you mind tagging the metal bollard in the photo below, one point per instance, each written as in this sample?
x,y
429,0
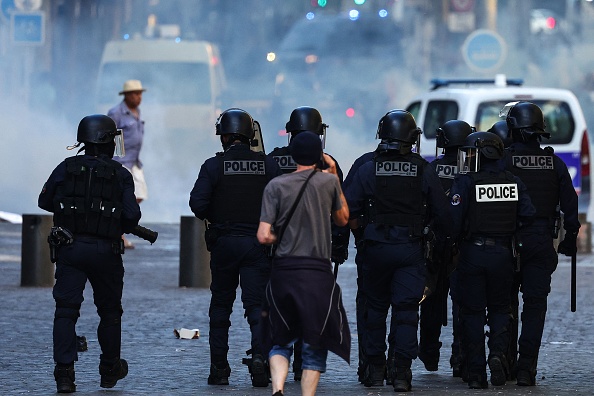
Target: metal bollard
x,y
194,259
36,267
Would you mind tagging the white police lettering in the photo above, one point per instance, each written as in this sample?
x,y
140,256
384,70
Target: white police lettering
x,y
285,161
244,168
496,192
532,161
447,171
395,168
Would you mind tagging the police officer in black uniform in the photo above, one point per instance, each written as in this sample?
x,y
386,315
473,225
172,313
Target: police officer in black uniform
x,y
92,198
228,193
305,118
500,129
486,204
449,137
406,195
551,190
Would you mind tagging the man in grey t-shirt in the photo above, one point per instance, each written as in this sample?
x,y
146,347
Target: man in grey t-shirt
x,y
301,283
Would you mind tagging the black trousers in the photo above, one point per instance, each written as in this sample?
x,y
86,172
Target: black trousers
x,y
90,259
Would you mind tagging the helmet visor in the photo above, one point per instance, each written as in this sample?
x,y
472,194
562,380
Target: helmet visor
x,y
118,139
505,110
468,160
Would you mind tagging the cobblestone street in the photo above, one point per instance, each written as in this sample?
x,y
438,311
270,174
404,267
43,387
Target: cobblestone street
x,y
162,364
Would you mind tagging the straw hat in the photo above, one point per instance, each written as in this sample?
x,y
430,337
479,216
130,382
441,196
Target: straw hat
x,y
132,86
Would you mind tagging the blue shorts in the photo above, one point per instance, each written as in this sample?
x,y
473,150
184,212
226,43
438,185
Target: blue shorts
x,y
313,358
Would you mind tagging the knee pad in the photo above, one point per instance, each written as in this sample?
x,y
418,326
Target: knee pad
x,y
110,316
66,310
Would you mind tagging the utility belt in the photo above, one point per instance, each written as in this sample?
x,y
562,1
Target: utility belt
x,y
488,241
60,236
117,246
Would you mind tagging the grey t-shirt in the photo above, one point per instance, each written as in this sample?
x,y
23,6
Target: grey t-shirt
x,y
308,232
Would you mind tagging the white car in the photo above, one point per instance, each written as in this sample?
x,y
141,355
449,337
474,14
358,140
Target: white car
x,y
479,102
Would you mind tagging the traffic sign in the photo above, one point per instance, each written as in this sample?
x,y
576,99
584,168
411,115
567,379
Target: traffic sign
x,y
484,50
7,7
28,28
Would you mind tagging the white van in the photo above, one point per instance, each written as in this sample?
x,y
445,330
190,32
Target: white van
x,y
479,102
184,82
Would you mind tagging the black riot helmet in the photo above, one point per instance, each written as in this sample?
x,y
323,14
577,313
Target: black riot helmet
x,y
500,129
525,120
97,128
305,118
479,146
452,134
235,121
238,125
100,135
398,130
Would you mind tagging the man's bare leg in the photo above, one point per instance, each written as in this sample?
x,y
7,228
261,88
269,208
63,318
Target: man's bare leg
x,y
279,369
309,382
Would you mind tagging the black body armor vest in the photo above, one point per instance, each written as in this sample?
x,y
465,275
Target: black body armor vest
x,y
536,169
238,196
283,159
493,205
90,200
399,198
446,168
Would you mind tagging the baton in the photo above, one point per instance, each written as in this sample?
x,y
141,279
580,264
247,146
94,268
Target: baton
x,y
573,281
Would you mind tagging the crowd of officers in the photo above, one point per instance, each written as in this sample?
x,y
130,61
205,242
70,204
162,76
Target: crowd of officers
x,y
458,224
476,225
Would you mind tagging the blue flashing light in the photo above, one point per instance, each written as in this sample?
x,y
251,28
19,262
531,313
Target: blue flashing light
x,y
359,2
178,39
126,36
310,15
382,13
353,15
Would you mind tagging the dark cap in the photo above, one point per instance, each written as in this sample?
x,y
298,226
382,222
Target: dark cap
x,y
306,148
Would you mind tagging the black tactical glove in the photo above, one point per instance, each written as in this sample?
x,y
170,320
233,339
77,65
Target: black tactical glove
x,y
340,248
568,246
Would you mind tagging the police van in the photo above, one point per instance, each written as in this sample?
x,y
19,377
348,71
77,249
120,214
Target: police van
x,y
479,101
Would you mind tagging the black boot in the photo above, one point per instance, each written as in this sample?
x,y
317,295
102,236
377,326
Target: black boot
x,y
219,374
258,371
526,371
499,370
402,375
112,371
64,375
375,371
477,381
456,365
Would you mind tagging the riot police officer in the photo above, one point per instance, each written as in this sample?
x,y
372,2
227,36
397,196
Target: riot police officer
x,y
500,129
305,118
228,194
551,190
92,198
406,195
486,204
449,137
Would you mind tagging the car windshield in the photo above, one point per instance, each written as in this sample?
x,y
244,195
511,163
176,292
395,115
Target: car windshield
x,y
559,121
558,117
169,82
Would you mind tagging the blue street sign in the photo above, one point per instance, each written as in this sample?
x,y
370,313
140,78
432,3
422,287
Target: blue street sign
x,y
7,7
28,28
484,50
